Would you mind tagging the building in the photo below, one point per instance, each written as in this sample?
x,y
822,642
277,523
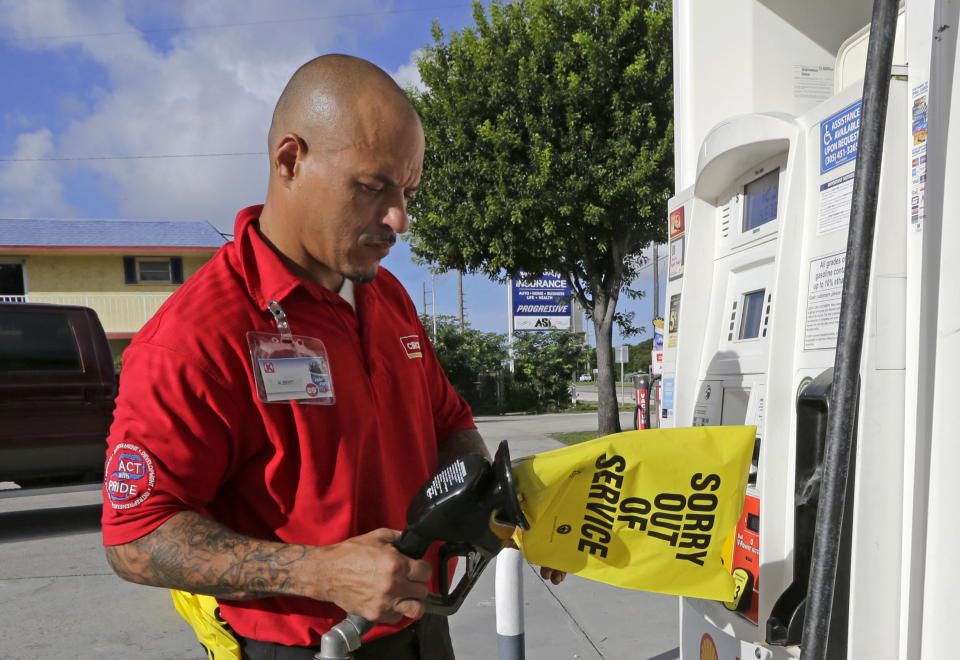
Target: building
x,y
123,269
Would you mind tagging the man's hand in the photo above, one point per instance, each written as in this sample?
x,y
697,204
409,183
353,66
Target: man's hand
x,y
366,575
555,576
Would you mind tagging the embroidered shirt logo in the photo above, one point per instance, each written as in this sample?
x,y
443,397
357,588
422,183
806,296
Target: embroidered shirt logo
x,y
411,344
130,476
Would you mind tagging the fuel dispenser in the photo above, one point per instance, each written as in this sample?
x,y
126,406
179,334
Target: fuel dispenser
x,y
641,411
757,248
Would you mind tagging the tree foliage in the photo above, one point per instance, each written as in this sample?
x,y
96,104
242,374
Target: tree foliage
x,y
544,363
549,148
473,360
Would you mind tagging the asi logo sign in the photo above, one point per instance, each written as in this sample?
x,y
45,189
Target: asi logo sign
x,y
129,477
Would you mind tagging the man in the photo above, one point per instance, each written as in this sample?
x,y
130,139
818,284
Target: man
x,y
282,408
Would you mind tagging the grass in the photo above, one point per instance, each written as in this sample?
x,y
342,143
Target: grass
x,y
574,437
592,406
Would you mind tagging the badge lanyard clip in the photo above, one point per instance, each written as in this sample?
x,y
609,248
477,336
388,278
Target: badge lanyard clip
x,y
280,317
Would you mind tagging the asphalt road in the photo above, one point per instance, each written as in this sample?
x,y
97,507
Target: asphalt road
x,y
59,599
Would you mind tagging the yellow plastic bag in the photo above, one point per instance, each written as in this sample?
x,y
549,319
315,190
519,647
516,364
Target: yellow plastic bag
x,y
646,510
212,631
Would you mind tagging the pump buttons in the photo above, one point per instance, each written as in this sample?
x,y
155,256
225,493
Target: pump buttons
x,y
743,595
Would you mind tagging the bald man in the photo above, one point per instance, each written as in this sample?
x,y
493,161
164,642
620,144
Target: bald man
x,y
282,408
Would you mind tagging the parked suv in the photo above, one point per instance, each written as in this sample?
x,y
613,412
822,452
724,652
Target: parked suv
x,y
57,388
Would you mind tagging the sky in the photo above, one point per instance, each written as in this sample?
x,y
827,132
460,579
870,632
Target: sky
x,y
149,110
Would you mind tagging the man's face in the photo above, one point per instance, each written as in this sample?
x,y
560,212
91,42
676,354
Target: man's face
x,y
352,197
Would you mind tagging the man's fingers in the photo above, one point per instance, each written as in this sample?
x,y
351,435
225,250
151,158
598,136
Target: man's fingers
x,y
412,609
385,535
552,574
419,571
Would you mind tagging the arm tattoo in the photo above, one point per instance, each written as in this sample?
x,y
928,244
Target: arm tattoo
x,y
196,554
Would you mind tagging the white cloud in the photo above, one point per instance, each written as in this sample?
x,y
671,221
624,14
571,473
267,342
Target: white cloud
x,y
407,75
207,91
32,189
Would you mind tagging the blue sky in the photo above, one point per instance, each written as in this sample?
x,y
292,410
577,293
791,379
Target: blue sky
x,y
97,95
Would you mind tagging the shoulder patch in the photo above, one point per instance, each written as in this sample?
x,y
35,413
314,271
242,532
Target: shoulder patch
x,y
411,345
129,477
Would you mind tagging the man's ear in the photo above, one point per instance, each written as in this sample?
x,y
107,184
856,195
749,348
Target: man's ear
x,y
290,149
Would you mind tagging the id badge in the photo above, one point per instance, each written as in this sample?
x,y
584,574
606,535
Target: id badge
x,y
291,368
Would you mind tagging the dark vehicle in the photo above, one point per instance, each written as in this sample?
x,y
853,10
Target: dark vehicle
x,y
57,388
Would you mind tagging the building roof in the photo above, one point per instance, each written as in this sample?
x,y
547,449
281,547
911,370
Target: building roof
x,y
109,234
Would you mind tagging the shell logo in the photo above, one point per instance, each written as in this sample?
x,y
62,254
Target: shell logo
x,y
708,650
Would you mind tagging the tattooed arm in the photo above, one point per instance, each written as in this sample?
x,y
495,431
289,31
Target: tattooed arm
x,y
460,443
364,575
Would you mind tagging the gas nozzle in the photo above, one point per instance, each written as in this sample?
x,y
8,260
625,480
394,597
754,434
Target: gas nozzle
x,y
460,506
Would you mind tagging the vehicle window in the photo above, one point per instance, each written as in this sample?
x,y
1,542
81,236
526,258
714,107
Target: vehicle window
x,y
36,341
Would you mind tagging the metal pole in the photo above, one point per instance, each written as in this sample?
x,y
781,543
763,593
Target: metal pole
x,y
460,297
433,307
620,356
510,321
856,282
509,604
656,282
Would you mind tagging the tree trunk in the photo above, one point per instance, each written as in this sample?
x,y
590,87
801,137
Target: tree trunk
x,y
608,413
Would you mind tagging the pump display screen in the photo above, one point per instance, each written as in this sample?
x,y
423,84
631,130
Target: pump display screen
x,y
752,315
760,196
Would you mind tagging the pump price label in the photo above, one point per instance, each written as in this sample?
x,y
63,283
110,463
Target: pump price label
x,y
839,135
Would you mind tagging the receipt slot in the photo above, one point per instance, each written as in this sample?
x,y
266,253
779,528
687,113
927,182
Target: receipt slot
x,y
756,269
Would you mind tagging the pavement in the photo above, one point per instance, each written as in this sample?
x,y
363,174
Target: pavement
x,y
59,599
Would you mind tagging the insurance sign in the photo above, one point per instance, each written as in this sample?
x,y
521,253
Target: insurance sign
x,y
540,303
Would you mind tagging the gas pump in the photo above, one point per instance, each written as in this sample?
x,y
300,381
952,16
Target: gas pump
x,y
756,269
641,412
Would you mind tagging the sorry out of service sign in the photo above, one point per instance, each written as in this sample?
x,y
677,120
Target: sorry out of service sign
x,y
839,135
540,303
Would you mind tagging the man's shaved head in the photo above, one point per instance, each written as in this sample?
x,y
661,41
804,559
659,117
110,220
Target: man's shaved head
x,y
346,152
321,98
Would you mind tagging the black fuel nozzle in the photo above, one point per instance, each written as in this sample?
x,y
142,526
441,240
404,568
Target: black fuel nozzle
x,y
469,506
461,502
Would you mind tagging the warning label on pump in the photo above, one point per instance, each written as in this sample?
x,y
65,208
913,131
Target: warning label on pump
x,y
822,321
839,135
836,198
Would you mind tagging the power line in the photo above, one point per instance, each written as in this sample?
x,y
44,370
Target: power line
x,y
187,28
52,159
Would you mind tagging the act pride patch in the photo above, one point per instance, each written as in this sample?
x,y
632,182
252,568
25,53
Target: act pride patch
x,y
130,476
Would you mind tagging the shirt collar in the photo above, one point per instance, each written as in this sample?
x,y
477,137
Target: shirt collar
x,y
268,278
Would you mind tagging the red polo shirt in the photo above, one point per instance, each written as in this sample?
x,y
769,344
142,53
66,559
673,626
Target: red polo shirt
x,y
190,433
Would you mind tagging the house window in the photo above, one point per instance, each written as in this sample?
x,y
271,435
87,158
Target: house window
x,y
153,270
12,286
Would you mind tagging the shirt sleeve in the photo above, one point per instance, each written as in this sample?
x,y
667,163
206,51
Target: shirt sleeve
x,y
170,444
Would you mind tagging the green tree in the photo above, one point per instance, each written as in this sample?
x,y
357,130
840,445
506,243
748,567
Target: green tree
x,y
472,360
543,364
639,357
549,148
